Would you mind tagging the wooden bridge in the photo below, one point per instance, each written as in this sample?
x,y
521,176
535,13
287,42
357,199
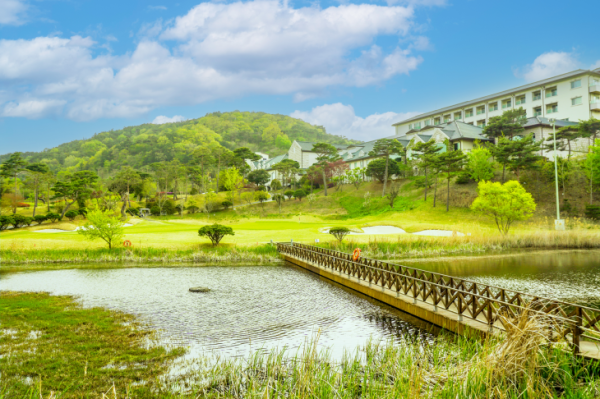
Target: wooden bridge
x,y
453,303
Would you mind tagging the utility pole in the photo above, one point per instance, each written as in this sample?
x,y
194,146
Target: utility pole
x,y
559,224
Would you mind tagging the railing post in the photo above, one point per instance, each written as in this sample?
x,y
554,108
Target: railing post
x,y
435,298
577,329
490,316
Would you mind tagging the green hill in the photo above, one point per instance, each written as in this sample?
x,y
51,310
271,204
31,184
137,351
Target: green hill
x,y
142,145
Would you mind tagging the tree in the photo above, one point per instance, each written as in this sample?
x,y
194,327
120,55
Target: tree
x,y
72,214
287,168
221,156
355,176
203,157
592,168
479,164
260,177
502,153
392,194
311,198
215,233
524,154
232,181
339,232
279,198
564,136
507,203
376,168
509,124
104,226
325,153
73,187
122,183
227,204
39,219
248,197
450,162
299,194
11,168
36,175
276,185
240,155
590,129
426,153
261,197
384,148
193,203
337,171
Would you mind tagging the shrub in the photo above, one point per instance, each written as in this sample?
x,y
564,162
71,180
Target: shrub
x,y
289,193
169,207
5,221
18,221
23,205
592,212
72,214
39,219
155,210
463,178
261,188
339,232
215,232
27,221
299,194
133,211
53,217
194,191
227,204
83,212
104,226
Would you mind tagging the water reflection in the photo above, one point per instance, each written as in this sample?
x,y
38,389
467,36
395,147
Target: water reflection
x,y
572,276
248,308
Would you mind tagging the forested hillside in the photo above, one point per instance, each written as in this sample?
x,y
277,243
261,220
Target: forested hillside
x,y
142,145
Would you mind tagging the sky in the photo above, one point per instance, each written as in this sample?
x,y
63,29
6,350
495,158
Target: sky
x,y
70,69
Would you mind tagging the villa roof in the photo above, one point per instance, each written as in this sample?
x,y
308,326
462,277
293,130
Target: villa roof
x,y
455,130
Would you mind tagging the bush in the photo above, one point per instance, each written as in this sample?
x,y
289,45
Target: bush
x,y
215,232
194,191
5,221
155,210
53,217
27,221
18,221
227,204
289,193
169,207
463,178
339,232
261,188
39,219
299,194
592,212
83,212
22,205
72,214
133,211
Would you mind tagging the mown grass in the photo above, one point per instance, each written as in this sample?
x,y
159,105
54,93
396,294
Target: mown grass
x,y
52,347
56,349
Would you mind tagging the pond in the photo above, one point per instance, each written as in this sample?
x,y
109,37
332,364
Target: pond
x,y
248,308
571,276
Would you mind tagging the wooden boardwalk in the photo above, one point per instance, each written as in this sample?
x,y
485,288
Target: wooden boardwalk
x,y
458,305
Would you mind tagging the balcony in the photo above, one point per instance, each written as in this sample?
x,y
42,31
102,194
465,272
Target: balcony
x,y
595,104
595,87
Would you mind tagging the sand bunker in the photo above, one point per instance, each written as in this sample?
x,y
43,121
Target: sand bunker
x,y
69,231
439,233
374,230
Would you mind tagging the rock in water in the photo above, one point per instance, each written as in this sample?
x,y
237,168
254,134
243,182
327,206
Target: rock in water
x,y
199,289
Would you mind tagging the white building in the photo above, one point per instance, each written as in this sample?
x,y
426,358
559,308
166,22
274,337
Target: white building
x,y
572,96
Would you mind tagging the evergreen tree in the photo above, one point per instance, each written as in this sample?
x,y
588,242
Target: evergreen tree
x,y
502,153
524,154
426,153
325,153
450,162
14,165
36,172
509,124
384,148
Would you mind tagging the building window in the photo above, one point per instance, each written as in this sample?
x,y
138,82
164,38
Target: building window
x,y
428,122
577,101
520,100
537,111
469,113
481,110
418,125
575,84
436,121
551,92
506,103
481,123
457,115
537,95
456,146
410,126
493,106
447,118
551,108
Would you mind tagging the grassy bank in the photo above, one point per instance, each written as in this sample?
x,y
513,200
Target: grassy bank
x,y
56,349
53,348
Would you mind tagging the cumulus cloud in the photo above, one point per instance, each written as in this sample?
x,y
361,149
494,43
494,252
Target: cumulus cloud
x,y
33,109
12,12
159,120
341,119
547,65
214,51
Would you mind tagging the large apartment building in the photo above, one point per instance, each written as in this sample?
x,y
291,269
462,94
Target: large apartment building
x,y
571,97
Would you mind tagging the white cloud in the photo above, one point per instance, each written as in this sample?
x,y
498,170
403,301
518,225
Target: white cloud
x,y
220,51
12,12
159,120
33,109
341,119
547,65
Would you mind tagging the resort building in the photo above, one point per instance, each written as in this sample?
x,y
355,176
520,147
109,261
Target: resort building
x,y
572,97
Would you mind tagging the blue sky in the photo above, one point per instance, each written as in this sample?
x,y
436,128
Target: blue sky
x,y
69,69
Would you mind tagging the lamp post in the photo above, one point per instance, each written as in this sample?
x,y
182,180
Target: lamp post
x,y
559,224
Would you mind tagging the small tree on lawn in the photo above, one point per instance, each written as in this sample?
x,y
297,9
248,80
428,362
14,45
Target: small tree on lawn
x,y
426,153
260,177
289,194
104,226
261,197
480,164
507,203
450,163
299,194
325,153
384,148
339,232
392,194
356,176
215,232
279,198
72,214
311,198
248,197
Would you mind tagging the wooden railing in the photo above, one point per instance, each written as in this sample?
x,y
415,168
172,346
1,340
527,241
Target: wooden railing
x,y
483,303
